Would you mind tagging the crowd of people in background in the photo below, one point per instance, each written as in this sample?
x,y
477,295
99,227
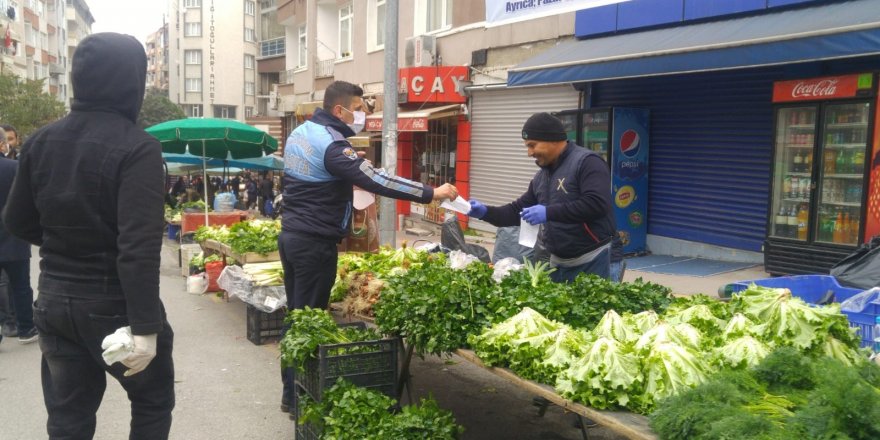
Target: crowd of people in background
x,y
251,191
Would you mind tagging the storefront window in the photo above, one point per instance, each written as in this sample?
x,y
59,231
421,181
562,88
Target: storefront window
x,y
434,159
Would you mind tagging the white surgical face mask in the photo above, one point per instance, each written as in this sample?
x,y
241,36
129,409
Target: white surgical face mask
x,y
360,120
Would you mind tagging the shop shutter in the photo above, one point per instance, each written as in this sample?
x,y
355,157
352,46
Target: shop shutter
x,y
711,142
500,169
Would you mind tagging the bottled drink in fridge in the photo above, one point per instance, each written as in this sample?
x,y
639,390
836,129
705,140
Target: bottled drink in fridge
x,y
841,163
858,162
786,186
808,161
805,187
829,162
802,223
792,222
781,222
826,224
854,225
838,236
798,162
795,189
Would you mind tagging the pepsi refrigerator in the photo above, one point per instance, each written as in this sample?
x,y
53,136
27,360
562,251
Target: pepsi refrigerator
x,y
824,137
620,136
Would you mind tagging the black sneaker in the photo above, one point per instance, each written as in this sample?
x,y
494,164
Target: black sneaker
x,y
29,336
9,330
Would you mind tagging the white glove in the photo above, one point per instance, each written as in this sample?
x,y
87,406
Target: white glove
x,y
144,352
117,346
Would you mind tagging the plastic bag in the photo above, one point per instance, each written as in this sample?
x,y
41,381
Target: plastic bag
x,y
213,270
452,237
460,260
858,303
237,283
197,284
503,268
507,245
861,269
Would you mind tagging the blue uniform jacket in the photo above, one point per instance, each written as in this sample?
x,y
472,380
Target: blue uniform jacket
x,y
320,169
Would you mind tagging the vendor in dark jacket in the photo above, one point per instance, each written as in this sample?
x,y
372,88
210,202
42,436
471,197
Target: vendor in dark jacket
x,y
320,169
89,193
570,196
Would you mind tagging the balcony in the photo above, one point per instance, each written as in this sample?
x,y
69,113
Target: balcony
x,y
324,68
286,77
272,48
56,69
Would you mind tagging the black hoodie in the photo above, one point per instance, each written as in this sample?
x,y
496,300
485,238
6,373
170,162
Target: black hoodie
x,y
89,189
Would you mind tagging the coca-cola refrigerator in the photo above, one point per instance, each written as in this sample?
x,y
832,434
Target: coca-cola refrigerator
x,y
819,202
620,136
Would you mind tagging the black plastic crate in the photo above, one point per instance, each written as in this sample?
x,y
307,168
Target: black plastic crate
x,y
262,326
373,366
305,431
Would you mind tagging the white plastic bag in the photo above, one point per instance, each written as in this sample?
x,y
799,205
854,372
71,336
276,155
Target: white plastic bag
x,y
857,303
503,268
460,260
197,284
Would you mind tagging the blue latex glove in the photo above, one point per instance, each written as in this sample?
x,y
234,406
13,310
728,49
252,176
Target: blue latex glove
x,y
535,215
478,210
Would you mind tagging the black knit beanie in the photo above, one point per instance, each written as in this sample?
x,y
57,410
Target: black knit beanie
x,y
543,127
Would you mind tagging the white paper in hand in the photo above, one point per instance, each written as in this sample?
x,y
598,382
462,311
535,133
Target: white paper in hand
x,y
362,199
458,205
528,234
117,346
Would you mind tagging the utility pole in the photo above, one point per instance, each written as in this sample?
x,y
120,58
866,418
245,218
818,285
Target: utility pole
x,y
387,210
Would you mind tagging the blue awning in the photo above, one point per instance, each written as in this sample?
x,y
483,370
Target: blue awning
x,y
830,31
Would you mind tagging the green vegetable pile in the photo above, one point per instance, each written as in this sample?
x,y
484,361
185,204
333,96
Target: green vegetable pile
x,y
216,233
436,308
259,236
199,260
350,412
310,328
787,395
360,276
632,361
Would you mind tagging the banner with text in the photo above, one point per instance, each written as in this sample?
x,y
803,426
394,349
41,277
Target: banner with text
x,y
500,12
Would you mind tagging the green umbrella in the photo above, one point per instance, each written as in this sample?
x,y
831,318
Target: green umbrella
x,y
213,138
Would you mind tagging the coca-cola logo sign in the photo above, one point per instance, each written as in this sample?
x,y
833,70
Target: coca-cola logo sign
x,y
818,89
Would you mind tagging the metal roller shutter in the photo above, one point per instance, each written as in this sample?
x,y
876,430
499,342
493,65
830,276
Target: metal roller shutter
x,y
711,141
500,169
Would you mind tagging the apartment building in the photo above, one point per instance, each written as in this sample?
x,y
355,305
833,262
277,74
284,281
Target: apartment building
x,y
452,86
157,59
40,37
212,57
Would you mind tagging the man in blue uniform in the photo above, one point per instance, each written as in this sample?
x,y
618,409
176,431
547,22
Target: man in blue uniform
x,y
320,169
569,195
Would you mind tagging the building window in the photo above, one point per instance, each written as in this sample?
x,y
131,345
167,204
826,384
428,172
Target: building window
x,y
192,29
302,52
192,3
192,56
345,17
193,110
193,84
250,7
248,112
249,61
249,35
273,47
249,88
378,24
224,111
432,16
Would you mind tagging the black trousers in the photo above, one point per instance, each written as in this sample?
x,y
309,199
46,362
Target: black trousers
x,y
74,373
309,272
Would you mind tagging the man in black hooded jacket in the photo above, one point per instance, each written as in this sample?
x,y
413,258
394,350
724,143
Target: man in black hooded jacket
x,y
89,193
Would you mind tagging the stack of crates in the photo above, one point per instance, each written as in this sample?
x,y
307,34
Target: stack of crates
x,y
262,326
368,364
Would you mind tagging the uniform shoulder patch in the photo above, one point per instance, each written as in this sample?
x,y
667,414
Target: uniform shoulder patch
x,y
350,153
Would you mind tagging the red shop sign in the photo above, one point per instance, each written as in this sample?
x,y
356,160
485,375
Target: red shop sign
x,y
829,87
441,84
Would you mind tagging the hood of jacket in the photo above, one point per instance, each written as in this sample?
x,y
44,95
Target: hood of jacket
x,y
109,72
325,118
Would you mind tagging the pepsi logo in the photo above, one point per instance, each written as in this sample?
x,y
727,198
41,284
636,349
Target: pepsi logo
x,y
629,143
